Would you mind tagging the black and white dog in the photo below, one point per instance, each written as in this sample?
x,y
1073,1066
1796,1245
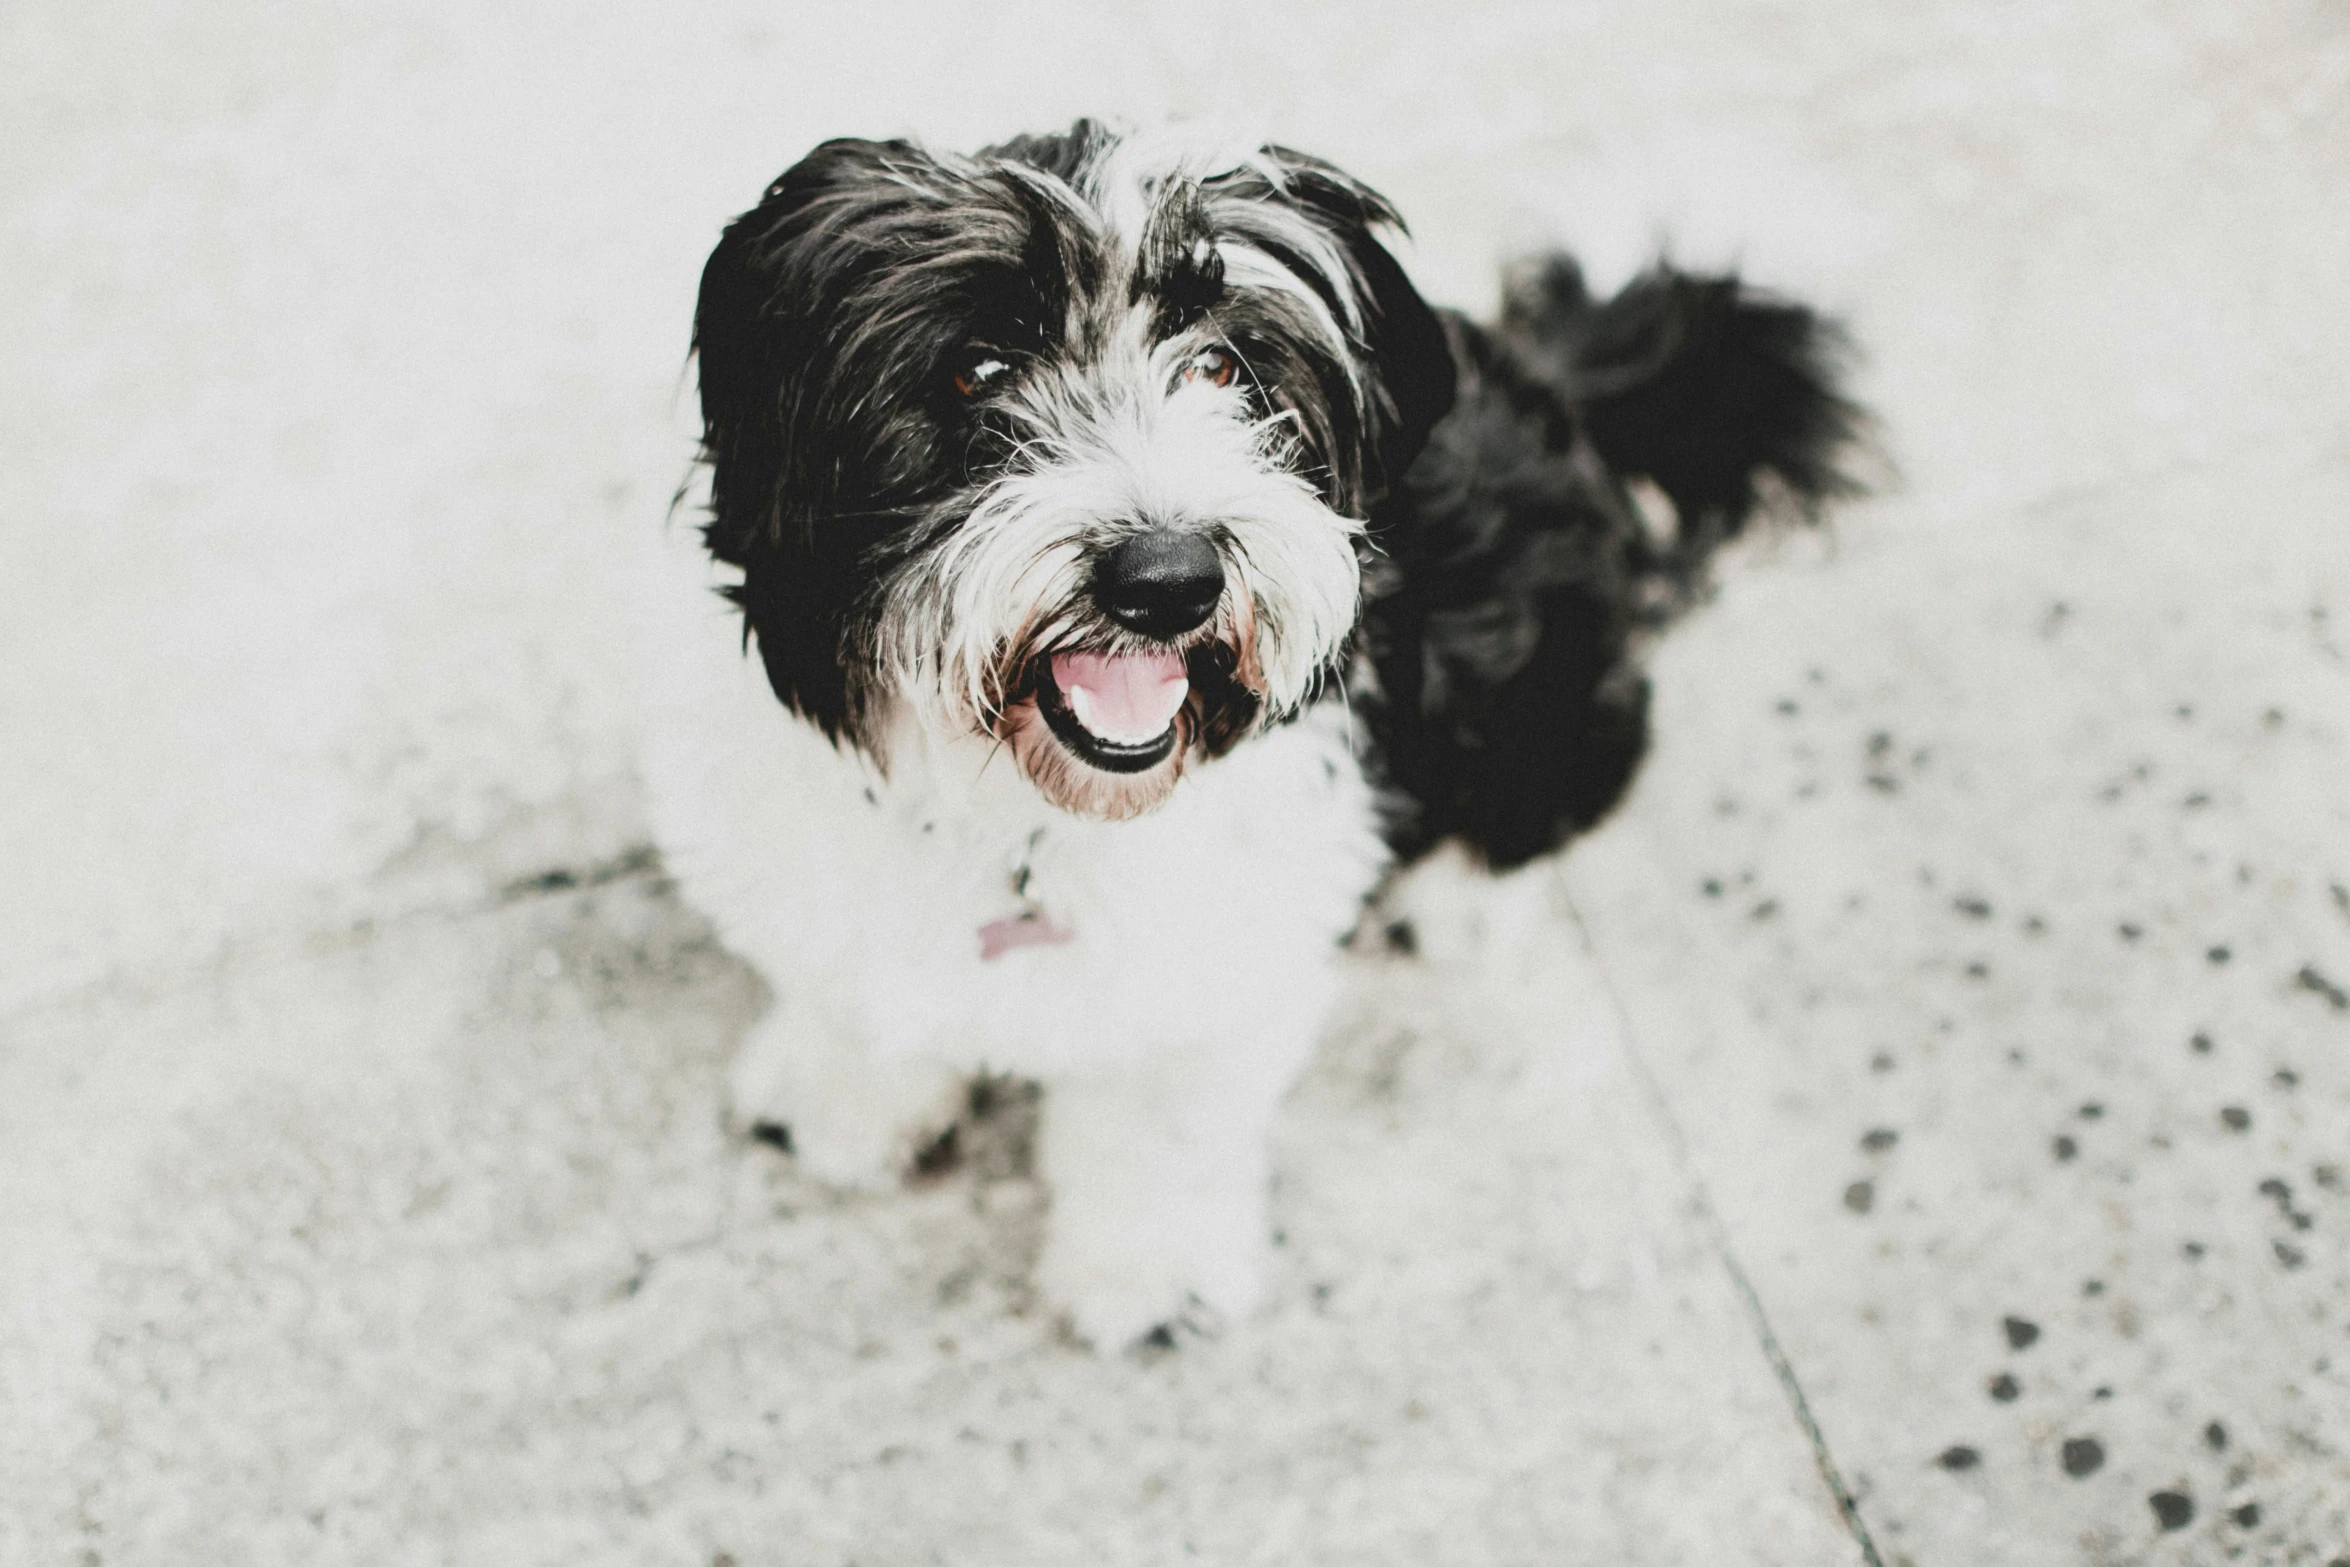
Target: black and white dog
x,y
1143,569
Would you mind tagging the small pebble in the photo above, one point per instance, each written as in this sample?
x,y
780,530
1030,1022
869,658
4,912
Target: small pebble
x,y
1860,1196
1879,1139
2174,1510
2004,1388
2021,1333
2246,1516
2065,1149
2236,1118
2311,980
2217,955
2082,1456
2215,1437
2200,1044
1959,1458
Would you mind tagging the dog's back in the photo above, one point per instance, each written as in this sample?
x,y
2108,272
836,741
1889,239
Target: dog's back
x,y
1598,453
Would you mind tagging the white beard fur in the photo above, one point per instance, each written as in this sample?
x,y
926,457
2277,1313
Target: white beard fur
x,y
1200,964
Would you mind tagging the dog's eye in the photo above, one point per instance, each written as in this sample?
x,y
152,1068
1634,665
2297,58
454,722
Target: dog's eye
x,y
979,372
1215,366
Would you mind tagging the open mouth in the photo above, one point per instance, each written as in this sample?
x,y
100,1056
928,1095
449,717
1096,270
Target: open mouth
x,y
1115,711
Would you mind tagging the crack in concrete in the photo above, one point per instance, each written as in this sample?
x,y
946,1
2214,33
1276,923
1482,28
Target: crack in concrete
x,y
1717,1237
248,953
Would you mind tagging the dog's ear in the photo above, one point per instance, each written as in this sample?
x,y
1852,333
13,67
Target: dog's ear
x,y
1408,351
760,325
769,319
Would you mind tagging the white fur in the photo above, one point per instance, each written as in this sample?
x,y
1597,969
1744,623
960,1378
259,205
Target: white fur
x,y
1166,1031
1122,443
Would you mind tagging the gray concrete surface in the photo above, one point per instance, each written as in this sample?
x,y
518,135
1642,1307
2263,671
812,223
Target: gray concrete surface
x,y
360,1193
441,1257
2018,1055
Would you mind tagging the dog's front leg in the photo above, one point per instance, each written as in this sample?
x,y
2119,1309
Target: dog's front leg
x,y
1159,1184
852,1112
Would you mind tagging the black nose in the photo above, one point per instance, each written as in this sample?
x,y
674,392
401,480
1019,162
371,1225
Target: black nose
x,y
1161,584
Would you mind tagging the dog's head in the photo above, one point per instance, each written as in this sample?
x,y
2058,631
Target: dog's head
x,y
1065,443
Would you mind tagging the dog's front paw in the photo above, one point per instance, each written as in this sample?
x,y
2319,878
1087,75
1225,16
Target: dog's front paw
x,y
1116,1294
848,1121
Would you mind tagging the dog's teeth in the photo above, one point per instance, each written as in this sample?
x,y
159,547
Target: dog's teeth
x,y
1081,704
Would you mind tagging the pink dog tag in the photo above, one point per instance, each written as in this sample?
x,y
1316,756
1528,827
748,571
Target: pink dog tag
x,y
998,937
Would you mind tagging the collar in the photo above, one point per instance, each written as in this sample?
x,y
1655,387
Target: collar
x,y
1031,926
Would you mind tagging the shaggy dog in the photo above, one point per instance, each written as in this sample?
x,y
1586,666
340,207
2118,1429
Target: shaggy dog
x,y
1137,570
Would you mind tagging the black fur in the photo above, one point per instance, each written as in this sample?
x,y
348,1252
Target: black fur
x,y
1510,711
1510,574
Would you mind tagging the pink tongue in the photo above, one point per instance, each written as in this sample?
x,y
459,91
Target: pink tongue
x,y
1125,698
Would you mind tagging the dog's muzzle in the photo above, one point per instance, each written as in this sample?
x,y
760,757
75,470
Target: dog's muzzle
x,y
1118,710
1154,668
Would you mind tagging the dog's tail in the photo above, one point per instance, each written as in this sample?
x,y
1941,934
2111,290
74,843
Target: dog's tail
x,y
1725,398
1599,455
